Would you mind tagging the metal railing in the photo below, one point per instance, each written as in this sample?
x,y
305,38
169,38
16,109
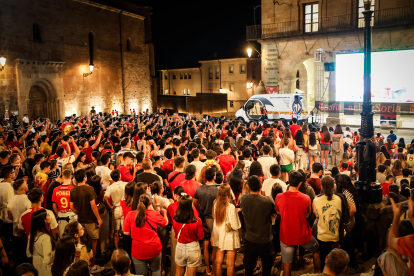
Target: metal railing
x,y
382,18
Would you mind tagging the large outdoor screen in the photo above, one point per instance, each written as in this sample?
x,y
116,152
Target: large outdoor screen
x,y
392,78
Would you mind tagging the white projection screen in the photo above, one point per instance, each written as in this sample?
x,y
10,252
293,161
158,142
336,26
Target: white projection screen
x,y
392,78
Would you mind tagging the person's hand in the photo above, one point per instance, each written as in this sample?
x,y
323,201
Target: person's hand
x,y
15,149
99,222
397,209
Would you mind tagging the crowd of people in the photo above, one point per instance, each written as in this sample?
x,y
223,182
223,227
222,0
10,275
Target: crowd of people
x,y
168,194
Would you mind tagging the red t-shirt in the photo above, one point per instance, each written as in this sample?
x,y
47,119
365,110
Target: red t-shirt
x,y
11,145
355,139
177,180
61,196
278,133
88,152
293,208
405,246
190,232
172,209
27,220
145,241
53,156
190,186
227,163
168,166
385,188
294,129
323,140
316,185
125,208
106,150
126,175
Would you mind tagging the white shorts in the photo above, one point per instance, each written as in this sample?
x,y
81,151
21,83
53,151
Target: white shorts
x,y
116,219
188,254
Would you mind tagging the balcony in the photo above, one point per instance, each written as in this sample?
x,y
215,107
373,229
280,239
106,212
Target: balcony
x,y
382,18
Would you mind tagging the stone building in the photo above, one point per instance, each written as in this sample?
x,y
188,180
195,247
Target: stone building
x,y
238,78
49,45
292,31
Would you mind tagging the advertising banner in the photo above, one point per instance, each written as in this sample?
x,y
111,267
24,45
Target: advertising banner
x,y
349,108
271,90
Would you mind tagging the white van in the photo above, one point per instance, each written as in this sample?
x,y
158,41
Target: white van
x,y
279,107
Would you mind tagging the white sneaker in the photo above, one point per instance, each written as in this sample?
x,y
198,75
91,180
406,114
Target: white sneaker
x,y
96,269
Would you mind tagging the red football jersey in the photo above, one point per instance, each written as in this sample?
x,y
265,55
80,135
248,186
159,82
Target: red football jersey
x,y
61,196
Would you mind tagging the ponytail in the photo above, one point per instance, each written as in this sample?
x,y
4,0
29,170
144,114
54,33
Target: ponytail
x,y
141,217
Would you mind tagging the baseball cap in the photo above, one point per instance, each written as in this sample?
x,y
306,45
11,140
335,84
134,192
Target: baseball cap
x,y
190,171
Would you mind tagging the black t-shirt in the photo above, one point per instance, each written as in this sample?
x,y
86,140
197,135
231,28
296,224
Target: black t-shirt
x,y
147,177
81,196
206,195
161,173
28,166
52,186
115,140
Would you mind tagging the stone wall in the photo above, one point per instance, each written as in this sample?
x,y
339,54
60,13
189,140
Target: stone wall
x,y
56,62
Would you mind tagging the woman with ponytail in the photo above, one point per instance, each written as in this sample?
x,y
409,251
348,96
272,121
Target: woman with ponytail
x,y
142,224
189,231
327,208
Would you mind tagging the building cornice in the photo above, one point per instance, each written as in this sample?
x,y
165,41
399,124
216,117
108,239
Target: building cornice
x,y
112,9
228,59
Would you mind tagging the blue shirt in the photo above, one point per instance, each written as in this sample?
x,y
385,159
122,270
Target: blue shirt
x,y
393,137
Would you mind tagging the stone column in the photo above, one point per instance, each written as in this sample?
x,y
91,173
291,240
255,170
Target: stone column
x,y
333,118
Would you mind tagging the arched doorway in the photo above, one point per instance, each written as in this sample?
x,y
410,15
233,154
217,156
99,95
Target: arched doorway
x,y
37,102
42,101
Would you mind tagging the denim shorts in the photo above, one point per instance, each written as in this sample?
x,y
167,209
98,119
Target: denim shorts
x,y
325,147
188,254
288,251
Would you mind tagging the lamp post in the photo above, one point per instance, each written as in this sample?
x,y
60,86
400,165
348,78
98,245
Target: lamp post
x,y
91,69
366,150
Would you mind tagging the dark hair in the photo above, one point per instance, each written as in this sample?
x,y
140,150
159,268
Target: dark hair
x,y
179,161
6,171
236,181
328,184
64,255
79,268
38,225
155,187
295,178
210,174
406,172
17,184
312,139
25,268
381,168
317,167
299,137
34,195
343,182
254,183
256,169
178,190
338,130
80,175
326,134
247,153
140,189
115,175
185,212
274,170
141,217
337,260
120,261
276,189
129,193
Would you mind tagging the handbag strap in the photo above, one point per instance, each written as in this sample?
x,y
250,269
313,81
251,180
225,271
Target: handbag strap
x,y
151,226
179,233
172,178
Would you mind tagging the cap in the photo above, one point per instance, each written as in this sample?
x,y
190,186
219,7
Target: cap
x,y
190,171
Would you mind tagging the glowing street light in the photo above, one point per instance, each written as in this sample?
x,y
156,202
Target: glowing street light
x,y
2,62
91,69
249,52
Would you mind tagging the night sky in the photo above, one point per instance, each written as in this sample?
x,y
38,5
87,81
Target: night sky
x,y
186,31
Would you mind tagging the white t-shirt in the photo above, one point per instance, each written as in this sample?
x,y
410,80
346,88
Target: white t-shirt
x,y
266,162
286,156
17,205
62,161
105,173
6,194
53,221
199,166
348,141
116,190
348,133
268,184
247,164
329,213
164,202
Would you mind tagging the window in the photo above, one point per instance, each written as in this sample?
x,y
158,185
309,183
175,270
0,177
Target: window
x,y
36,33
91,46
243,69
217,72
165,77
231,69
185,76
210,87
231,87
188,91
128,44
174,76
361,23
210,73
311,18
181,76
166,92
231,104
189,76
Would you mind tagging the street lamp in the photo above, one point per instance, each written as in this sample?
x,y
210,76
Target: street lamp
x,y
249,52
251,84
91,69
2,63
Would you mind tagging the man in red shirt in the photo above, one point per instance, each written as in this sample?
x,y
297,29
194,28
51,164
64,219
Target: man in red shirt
x,y
61,201
168,165
35,196
294,207
88,149
190,184
315,179
389,180
226,161
176,177
294,127
126,175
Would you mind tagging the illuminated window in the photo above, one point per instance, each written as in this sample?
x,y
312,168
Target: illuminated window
x,y
231,87
311,18
231,69
188,91
217,72
189,76
185,76
243,69
183,91
210,73
166,92
361,22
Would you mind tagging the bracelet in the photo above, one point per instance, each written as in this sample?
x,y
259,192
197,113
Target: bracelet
x,y
158,205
